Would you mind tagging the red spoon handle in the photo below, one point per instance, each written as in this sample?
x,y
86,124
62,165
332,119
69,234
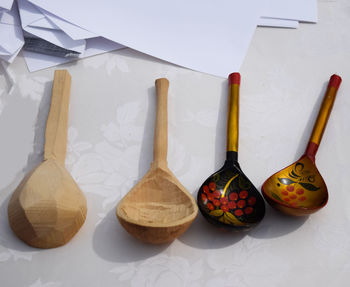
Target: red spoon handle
x,y
323,116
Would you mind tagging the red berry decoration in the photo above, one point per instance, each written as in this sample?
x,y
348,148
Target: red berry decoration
x,y
211,196
232,205
212,186
300,191
251,200
302,198
286,199
284,192
224,208
238,212
292,196
243,194
217,194
216,202
233,196
241,203
204,198
248,210
290,188
210,206
223,200
206,189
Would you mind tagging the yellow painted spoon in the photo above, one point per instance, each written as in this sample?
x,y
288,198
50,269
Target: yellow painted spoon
x,y
299,189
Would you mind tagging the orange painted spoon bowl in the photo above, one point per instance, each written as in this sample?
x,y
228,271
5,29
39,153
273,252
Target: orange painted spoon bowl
x,y
299,189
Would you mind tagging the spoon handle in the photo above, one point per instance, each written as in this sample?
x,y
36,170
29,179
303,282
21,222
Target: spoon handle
x,y
323,115
57,122
233,117
160,148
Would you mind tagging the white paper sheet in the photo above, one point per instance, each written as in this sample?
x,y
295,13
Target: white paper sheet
x,y
11,36
94,46
44,23
203,35
73,31
281,23
29,13
10,17
301,10
6,4
35,23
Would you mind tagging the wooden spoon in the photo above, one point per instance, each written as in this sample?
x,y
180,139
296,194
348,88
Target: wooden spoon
x,y
227,198
47,209
158,208
299,189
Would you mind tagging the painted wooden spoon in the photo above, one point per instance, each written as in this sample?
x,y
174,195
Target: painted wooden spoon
x,y
299,189
47,209
227,198
158,208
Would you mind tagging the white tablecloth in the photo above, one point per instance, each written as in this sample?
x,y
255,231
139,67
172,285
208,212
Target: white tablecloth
x,y
112,113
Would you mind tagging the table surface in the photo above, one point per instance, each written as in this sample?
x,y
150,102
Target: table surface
x,y
111,121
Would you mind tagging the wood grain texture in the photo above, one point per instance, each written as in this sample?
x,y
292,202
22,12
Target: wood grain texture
x,y
57,121
159,208
47,209
160,149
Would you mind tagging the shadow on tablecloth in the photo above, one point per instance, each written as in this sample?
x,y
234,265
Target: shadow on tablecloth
x,y
112,243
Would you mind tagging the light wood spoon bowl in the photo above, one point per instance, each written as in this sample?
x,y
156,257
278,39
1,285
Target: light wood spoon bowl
x,y
159,208
47,209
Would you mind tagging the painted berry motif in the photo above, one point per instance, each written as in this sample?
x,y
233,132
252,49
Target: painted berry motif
x,y
295,188
210,206
230,204
233,196
212,186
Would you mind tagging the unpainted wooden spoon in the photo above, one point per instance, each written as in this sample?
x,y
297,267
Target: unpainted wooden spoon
x,y
47,209
227,198
158,208
299,189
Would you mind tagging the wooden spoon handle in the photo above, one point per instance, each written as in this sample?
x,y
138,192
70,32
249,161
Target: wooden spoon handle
x,y
160,148
233,116
323,116
57,122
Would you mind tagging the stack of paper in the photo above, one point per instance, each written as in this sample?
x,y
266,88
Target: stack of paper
x,y
204,35
45,25
297,10
11,37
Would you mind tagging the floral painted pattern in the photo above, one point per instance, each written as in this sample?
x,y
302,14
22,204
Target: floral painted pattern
x,y
228,197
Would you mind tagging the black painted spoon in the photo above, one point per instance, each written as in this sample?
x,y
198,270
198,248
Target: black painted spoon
x,y
227,198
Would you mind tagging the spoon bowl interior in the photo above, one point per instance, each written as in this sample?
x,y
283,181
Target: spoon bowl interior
x,y
158,209
47,209
298,189
229,200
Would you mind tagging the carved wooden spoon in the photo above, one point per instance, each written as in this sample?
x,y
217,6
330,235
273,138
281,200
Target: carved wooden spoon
x,y
47,209
299,189
227,198
159,208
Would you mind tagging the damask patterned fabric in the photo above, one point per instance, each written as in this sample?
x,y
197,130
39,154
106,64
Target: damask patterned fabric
x,y
111,121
